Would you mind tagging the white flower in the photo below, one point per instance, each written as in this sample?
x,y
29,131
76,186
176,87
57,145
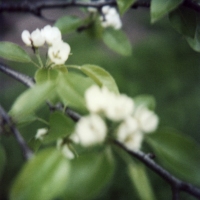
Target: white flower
x,y
101,100
110,18
147,119
91,130
96,98
35,38
119,107
65,149
51,34
41,133
59,52
129,134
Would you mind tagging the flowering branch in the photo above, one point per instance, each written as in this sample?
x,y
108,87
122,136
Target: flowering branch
x,y
176,184
37,7
6,121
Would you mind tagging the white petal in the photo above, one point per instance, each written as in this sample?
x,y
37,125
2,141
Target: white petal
x,y
26,37
37,38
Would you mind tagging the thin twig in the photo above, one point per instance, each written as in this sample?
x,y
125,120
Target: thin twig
x,y
37,7
177,184
26,80
7,121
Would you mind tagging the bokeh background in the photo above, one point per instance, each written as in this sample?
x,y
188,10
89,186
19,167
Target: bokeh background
x,y
162,64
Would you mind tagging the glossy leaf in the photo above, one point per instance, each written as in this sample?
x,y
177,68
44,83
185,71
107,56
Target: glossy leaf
x,y
13,52
184,21
43,75
159,8
145,100
178,152
60,126
124,5
140,181
195,42
71,89
89,174
31,100
117,41
2,160
68,23
100,76
43,177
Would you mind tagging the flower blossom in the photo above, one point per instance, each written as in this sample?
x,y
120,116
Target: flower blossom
x,y
110,18
90,130
129,134
51,34
33,39
115,107
59,52
147,119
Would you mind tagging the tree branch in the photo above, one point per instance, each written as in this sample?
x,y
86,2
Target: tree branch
x,y
6,121
176,184
24,79
37,7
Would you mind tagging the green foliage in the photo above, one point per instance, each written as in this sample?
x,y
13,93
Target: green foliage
x,y
13,52
139,178
60,126
26,105
145,100
43,177
68,24
100,77
159,8
178,152
88,176
124,5
184,21
117,41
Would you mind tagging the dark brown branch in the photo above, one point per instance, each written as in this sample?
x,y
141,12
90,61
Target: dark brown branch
x,y
37,7
176,184
26,80
6,121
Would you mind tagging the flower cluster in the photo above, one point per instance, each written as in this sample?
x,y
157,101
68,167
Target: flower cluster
x,y
109,18
132,121
58,51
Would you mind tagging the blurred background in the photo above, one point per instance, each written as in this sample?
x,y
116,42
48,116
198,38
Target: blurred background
x,y
162,64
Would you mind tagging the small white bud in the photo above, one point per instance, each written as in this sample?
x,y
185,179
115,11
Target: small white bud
x,y
26,37
41,133
37,38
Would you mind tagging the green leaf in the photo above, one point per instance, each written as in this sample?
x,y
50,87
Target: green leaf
x,y
2,160
124,5
145,100
178,152
117,41
43,75
71,89
60,126
43,177
68,23
13,52
100,76
184,21
140,181
195,42
31,100
89,174
159,8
